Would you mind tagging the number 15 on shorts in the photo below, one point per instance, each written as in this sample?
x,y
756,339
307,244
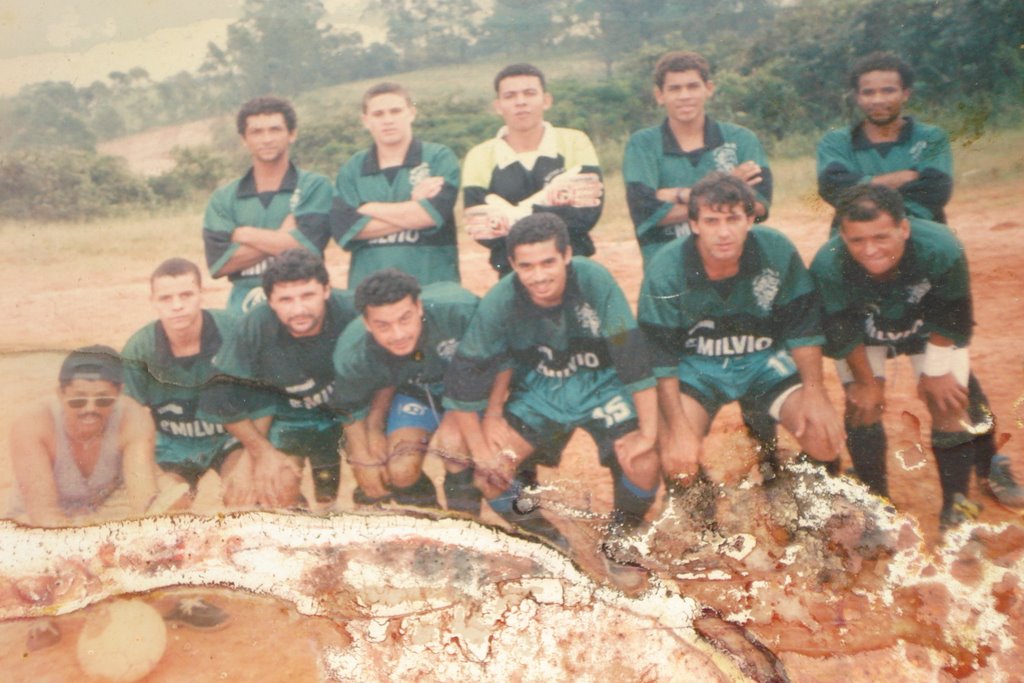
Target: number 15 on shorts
x,y
613,412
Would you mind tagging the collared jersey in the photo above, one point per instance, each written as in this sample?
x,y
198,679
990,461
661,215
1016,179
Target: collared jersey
x,y
363,366
429,255
572,349
930,293
846,157
171,386
304,194
267,371
654,160
770,303
493,167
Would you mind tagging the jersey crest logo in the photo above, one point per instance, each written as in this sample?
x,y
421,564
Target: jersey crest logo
x,y
170,408
588,319
917,150
295,199
766,286
415,409
725,157
446,349
418,174
702,325
916,292
299,388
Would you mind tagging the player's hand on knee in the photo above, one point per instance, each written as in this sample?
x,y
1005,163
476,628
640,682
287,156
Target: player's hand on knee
x,y
497,432
238,488
632,446
275,477
493,472
818,426
680,453
373,480
447,443
865,401
943,394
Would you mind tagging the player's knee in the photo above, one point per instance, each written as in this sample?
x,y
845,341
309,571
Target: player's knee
x,y
642,466
404,472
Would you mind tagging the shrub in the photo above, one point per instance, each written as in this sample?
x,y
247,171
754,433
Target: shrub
x,y
67,184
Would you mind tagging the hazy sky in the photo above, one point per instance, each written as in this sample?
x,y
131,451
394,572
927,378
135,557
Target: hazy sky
x,y
84,40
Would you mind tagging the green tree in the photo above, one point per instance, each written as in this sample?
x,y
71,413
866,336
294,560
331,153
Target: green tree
x,y
432,31
518,27
48,114
278,46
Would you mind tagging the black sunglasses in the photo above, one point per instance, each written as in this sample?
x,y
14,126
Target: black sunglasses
x,y
98,401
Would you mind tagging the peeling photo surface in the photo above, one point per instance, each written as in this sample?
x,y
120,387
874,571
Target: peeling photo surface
x,y
234,457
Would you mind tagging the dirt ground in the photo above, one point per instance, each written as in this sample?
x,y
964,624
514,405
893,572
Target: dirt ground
x,y
63,295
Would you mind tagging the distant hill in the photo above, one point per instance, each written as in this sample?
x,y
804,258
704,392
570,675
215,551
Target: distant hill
x,y
54,41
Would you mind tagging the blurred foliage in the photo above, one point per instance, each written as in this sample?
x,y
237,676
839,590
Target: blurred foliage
x,y
60,183
780,68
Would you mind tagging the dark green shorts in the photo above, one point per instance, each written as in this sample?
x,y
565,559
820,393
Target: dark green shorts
x,y
756,380
321,447
610,416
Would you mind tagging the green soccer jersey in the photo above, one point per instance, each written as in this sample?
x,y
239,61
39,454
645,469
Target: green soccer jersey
x,y
930,293
573,350
846,157
363,366
430,254
171,387
267,371
654,160
493,167
303,194
769,305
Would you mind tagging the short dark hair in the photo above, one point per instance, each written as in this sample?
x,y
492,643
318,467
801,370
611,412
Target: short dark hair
x,y
385,287
881,61
294,265
266,105
719,189
679,61
386,88
537,227
176,267
520,69
865,202
92,363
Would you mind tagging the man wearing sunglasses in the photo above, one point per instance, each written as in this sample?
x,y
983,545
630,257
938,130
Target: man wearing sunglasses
x,y
70,452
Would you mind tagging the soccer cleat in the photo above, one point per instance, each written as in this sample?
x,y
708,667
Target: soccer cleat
x,y
197,613
43,635
962,510
1001,484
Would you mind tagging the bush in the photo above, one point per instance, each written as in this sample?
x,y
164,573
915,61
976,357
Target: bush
x,y
67,184
196,170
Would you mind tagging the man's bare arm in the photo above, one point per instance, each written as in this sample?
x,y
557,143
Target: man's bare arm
x,y
680,445
896,179
138,447
32,462
817,410
256,244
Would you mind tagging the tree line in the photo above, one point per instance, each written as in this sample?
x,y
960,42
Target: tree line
x,y
780,68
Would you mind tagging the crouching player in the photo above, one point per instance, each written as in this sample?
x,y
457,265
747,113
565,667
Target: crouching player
x,y
167,365
274,395
578,360
390,367
732,315
893,286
